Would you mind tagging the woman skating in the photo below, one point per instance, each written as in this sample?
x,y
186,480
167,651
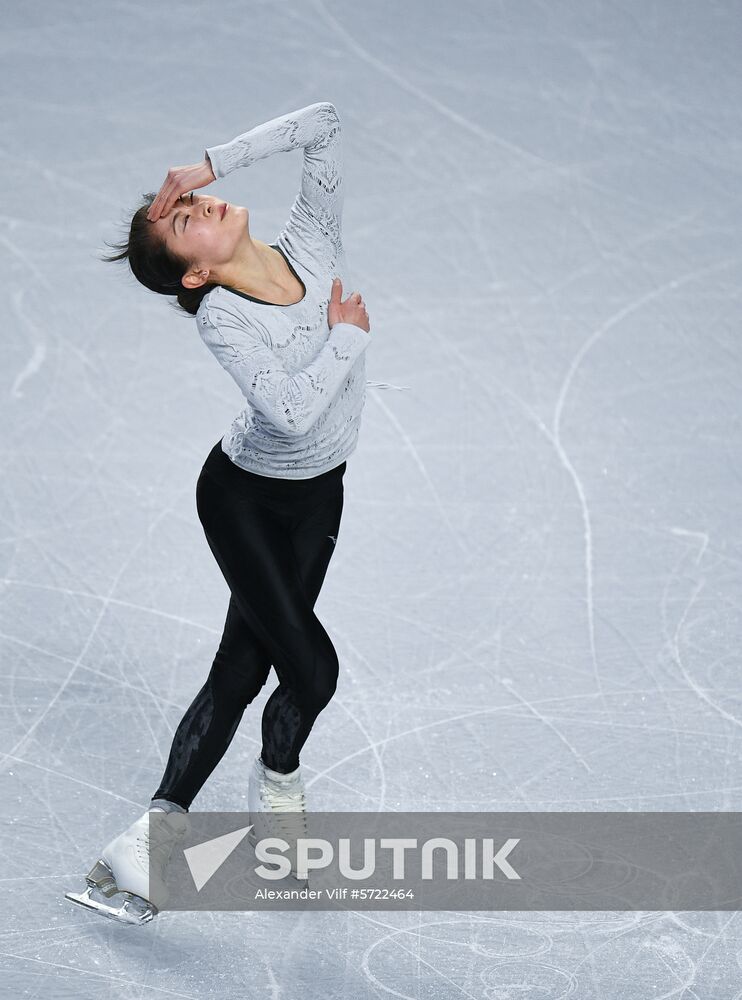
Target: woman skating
x,y
270,494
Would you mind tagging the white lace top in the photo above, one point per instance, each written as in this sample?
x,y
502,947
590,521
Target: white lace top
x,y
303,383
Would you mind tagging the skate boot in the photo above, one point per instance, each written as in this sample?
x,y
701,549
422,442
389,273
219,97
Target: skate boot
x,y
132,866
277,804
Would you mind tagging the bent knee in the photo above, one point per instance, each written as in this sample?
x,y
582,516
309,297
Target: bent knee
x,y
235,687
319,692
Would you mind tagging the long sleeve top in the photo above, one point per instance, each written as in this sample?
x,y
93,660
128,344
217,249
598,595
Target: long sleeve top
x,y
303,383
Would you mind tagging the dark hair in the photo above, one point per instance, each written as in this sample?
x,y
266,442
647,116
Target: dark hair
x,y
153,263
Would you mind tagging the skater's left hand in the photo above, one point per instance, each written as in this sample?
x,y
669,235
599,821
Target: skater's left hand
x,y
180,180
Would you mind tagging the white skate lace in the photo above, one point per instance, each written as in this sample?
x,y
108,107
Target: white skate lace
x,y
161,852
283,799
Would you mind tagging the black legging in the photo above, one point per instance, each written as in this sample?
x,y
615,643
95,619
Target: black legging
x,y
273,540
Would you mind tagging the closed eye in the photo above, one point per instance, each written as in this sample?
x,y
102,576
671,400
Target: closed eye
x,y
185,223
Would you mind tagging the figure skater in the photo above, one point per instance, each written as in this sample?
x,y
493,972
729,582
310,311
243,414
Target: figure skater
x,y
270,493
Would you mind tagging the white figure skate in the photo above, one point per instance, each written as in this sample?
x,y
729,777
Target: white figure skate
x,y
277,804
133,868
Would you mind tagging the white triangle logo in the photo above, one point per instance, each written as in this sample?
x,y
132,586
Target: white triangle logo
x,y
204,859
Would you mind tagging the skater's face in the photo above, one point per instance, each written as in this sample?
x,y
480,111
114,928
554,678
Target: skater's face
x,y
205,230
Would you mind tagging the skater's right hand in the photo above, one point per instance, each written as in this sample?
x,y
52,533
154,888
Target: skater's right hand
x,y
352,310
180,180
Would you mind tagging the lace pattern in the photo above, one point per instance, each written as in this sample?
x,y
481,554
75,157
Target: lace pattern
x,y
304,384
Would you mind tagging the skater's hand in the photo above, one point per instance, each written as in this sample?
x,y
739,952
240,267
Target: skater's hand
x,y
180,180
351,311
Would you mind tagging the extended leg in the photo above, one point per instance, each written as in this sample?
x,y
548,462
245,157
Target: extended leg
x,y
240,669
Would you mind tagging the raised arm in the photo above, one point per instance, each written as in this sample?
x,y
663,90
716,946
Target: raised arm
x,y
316,129
292,402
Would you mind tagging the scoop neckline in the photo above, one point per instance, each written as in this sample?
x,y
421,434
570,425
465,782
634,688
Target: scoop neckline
x,y
276,305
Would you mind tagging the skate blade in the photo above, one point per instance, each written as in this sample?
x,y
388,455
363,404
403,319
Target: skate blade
x,y
133,909
100,877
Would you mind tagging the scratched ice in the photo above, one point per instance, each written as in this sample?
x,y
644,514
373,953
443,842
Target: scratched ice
x,y
535,596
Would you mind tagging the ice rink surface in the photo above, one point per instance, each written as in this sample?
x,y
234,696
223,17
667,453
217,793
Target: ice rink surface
x,y
535,596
